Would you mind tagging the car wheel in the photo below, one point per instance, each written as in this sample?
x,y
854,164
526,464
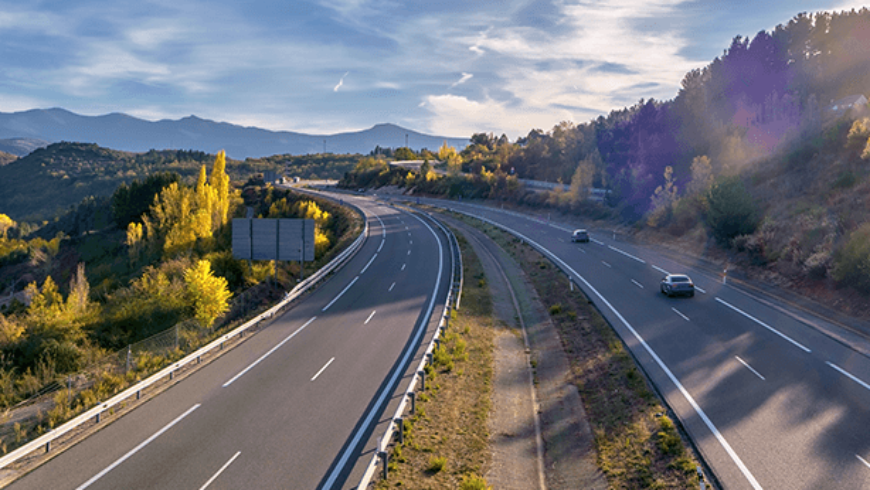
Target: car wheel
x,y
692,294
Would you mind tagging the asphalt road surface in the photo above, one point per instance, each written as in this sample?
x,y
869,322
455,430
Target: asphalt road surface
x,y
289,407
770,399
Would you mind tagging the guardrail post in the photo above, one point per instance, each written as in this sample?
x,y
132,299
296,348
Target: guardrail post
x,y
400,426
171,374
48,446
428,359
385,459
422,380
97,420
413,396
138,394
701,479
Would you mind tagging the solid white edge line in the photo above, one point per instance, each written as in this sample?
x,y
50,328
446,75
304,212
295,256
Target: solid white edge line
x,y
364,269
372,413
703,415
863,461
848,374
756,320
340,294
637,284
750,368
273,349
225,466
660,270
381,245
369,318
678,313
322,369
623,252
137,448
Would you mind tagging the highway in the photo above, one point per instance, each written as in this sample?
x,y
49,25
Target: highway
x,y
769,398
292,405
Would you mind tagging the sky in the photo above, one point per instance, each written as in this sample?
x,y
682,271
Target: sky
x,y
443,67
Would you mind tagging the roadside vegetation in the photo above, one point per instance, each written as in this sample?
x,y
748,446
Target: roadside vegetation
x,y
446,440
124,285
638,444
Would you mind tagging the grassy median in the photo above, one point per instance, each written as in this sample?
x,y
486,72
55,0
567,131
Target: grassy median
x,y
446,440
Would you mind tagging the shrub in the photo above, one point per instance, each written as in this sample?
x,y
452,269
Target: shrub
x,y
852,260
473,482
436,464
730,210
556,309
668,440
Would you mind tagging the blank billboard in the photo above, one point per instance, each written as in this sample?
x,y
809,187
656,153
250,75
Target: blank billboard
x,y
271,239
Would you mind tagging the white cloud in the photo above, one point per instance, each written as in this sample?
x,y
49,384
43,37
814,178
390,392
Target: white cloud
x,y
465,77
459,116
340,82
18,103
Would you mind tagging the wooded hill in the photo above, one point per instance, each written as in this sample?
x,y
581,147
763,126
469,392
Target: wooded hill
x,y
51,180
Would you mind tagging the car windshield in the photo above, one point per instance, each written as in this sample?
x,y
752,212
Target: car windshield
x,y
679,279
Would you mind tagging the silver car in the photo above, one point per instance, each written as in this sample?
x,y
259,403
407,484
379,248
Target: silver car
x,y
580,236
677,284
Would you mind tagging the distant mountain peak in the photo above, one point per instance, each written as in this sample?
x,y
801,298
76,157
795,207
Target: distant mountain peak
x,y
120,131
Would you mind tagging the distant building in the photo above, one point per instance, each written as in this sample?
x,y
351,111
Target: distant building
x,y
840,106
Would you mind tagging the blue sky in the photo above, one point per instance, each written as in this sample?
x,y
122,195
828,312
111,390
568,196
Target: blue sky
x,y
445,67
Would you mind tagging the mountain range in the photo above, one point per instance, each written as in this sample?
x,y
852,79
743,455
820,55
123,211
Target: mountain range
x,y
127,133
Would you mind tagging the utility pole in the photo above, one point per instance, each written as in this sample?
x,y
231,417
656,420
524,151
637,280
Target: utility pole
x,y
406,140
324,147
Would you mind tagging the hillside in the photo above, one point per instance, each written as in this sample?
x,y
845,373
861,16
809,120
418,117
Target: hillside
x,y
6,158
50,180
128,133
21,146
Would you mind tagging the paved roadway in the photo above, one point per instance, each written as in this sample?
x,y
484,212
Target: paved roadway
x,y
286,408
769,400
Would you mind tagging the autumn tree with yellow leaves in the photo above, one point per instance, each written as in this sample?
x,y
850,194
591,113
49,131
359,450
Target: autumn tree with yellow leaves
x,y
208,294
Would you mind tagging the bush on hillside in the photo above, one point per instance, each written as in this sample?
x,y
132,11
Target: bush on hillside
x,y
731,211
852,261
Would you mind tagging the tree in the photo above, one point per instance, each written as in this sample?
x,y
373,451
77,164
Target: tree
x,y
663,199
6,223
220,181
207,294
581,181
730,210
404,153
134,239
702,175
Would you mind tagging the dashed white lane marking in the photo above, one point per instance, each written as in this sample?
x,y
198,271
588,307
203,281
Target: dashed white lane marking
x,y
848,374
596,241
700,290
403,266
563,241
756,320
322,369
225,466
623,252
364,269
863,461
637,284
409,252
341,293
750,368
682,315
137,448
273,349
605,263
370,317
580,249
392,286
660,270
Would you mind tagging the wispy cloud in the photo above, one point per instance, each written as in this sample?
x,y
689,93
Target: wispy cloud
x,y
465,77
340,82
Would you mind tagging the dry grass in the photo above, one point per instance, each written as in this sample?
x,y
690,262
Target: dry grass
x,y
446,441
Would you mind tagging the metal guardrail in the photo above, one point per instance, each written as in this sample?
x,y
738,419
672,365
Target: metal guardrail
x,y
410,392
135,390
